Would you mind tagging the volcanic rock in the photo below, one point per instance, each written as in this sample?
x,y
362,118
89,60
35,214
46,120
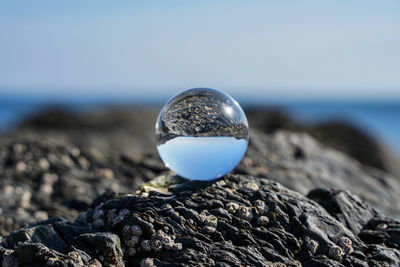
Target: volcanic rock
x,y
127,209
41,179
301,163
164,228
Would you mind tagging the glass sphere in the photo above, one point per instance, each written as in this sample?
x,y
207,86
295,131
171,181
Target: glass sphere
x,y
202,134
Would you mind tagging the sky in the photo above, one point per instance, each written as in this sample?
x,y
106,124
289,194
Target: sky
x,y
255,49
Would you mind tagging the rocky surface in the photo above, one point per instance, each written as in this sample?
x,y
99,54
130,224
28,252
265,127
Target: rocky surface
x,y
41,179
301,163
235,221
341,134
341,212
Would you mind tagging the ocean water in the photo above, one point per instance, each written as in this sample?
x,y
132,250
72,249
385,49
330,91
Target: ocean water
x,y
202,158
13,112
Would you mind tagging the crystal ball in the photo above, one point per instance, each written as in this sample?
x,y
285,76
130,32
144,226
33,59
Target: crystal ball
x,y
202,134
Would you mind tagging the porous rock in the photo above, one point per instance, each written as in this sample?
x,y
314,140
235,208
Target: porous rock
x,y
55,165
169,227
303,164
58,179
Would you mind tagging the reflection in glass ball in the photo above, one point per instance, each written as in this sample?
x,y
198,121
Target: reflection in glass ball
x,y
201,134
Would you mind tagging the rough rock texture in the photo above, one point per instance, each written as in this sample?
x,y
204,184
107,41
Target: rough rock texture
x,y
345,207
292,158
236,221
301,163
57,165
40,179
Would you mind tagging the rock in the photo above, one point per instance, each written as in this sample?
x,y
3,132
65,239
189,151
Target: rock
x,y
104,246
126,130
277,157
344,206
50,169
61,186
382,230
130,131
373,237
300,232
342,135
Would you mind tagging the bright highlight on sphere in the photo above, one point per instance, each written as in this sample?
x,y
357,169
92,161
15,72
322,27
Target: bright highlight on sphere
x,y
202,134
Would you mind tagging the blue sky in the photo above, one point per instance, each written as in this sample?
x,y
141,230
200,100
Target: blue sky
x,y
259,49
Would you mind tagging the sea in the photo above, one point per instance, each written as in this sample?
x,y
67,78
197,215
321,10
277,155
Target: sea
x,y
380,119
